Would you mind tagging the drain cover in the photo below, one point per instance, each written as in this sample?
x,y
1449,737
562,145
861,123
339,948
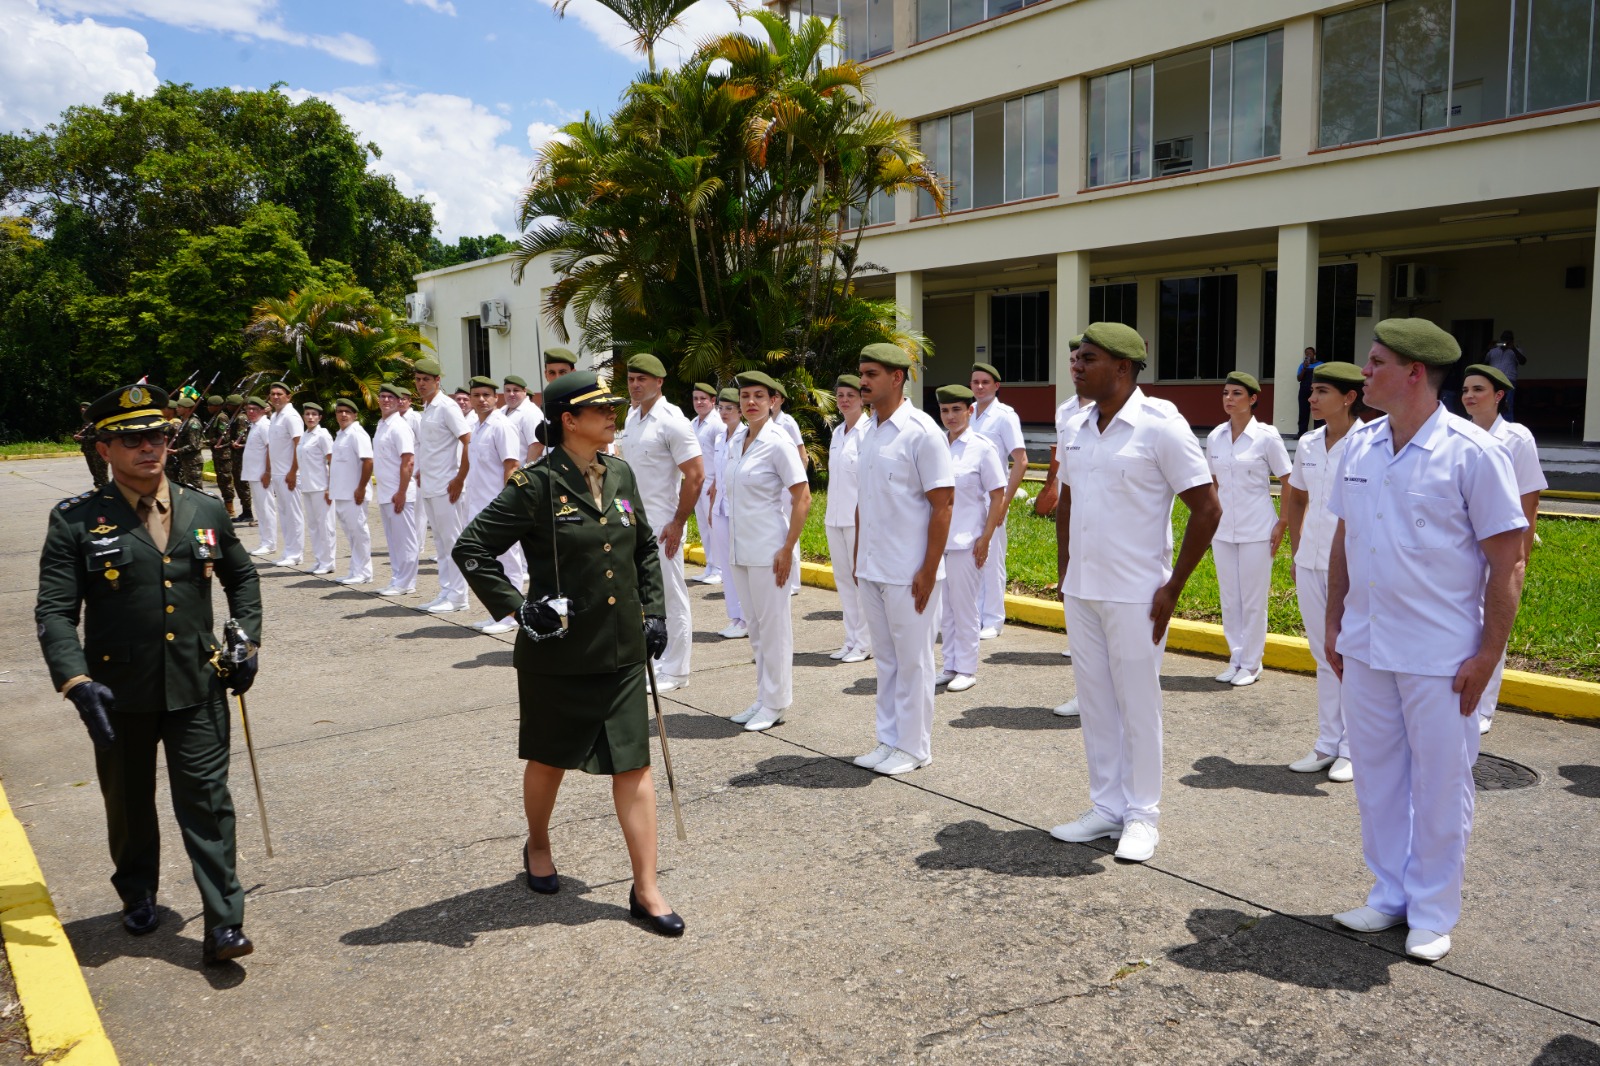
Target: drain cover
x,y
1494,774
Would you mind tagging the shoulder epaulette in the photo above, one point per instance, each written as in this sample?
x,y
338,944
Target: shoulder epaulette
x,y
202,490
72,501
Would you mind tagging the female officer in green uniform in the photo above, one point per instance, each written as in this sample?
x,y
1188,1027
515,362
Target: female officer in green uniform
x,y
594,610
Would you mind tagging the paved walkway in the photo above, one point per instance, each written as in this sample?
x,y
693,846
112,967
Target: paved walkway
x,y
834,915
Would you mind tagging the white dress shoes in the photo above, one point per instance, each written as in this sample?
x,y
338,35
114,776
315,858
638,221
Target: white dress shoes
x,y
840,654
988,633
1068,709
1368,920
961,682
736,631
1427,945
898,762
1484,725
1228,675
287,560
1066,653
857,655
944,678
748,713
348,580
445,607
1139,840
764,718
496,628
1245,677
1341,771
1088,826
263,550
714,579
1312,763
668,682
871,759
319,571
392,591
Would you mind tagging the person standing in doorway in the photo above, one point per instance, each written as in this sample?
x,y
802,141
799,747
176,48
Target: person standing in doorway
x,y
283,443
844,456
998,422
1507,358
707,424
443,461
315,455
348,477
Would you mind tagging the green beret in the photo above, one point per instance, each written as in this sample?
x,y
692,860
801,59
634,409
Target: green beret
x,y
284,385
345,401
1417,339
311,405
1239,377
1500,380
884,354
234,398
847,381
427,365
709,390
645,363
578,389
130,409
513,379
481,382
560,355
728,395
1117,340
1344,376
214,401
186,402
955,393
752,378
1074,343
256,401
461,390
394,390
989,368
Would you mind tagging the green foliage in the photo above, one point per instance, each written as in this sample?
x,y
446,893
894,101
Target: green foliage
x,y
465,250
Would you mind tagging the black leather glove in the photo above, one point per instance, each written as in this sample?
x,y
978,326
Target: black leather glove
x,y
241,675
655,635
539,619
93,701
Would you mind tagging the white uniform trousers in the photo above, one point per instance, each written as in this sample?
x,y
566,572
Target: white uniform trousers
x,y
353,519
291,520
841,549
1491,691
516,565
702,519
266,512
767,613
992,590
902,647
730,594
400,534
420,519
962,581
1311,588
319,524
446,519
674,661
794,569
1413,752
1118,673
1244,577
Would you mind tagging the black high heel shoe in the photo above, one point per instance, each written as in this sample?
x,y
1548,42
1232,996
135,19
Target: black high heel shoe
x,y
668,924
545,886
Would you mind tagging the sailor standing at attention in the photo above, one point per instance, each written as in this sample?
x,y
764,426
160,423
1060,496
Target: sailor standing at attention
x,y
979,509
496,452
1123,460
348,477
785,421
255,467
659,444
1000,424
707,423
844,455
393,458
315,455
525,417
728,411
442,463
906,490
1064,413
283,444
1423,586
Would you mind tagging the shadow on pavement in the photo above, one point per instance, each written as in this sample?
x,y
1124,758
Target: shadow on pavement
x,y
818,658
1012,718
1193,684
1568,1050
456,922
697,727
348,594
1274,779
972,845
1585,779
1028,658
797,771
1283,949
863,686
443,631
488,658
101,939
383,610
824,616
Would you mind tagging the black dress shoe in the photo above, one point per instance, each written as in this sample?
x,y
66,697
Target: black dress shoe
x,y
545,886
142,917
223,943
668,924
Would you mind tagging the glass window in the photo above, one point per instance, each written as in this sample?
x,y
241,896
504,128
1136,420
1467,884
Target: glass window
x,y
965,13
1553,44
988,154
1115,303
995,153
880,211
1246,98
1198,327
1139,162
941,16
1221,103
961,157
1479,88
1352,42
477,348
1336,315
933,18
1416,65
1019,335
1015,161
880,27
935,141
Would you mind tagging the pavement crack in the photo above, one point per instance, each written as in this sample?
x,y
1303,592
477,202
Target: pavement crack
x,y
956,1032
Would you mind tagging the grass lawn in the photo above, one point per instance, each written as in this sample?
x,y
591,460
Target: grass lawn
x,y
39,447
1557,630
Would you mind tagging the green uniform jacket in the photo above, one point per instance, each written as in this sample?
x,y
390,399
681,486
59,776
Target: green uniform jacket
x,y
188,445
148,632
241,429
609,567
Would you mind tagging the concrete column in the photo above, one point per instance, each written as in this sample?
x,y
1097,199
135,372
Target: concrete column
x,y
1247,347
1072,314
1297,316
1302,78
1149,327
1070,136
905,24
908,315
1591,399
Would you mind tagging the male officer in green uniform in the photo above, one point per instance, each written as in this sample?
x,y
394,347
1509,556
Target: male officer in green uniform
x,y
219,438
238,433
85,438
136,558
188,444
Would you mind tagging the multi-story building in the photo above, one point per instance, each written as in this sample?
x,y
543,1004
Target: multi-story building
x,y
1240,180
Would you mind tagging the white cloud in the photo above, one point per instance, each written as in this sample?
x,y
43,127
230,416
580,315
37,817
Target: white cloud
x,y
250,19
443,7
706,18
46,65
444,148
541,134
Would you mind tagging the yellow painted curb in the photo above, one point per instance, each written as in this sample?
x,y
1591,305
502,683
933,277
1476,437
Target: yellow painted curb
x,y
39,455
1540,693
62,1020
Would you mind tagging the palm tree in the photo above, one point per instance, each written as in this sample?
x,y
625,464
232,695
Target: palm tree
x,y
648,19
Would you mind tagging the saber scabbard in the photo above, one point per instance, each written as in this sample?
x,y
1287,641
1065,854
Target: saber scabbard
x,y
255,773
666,754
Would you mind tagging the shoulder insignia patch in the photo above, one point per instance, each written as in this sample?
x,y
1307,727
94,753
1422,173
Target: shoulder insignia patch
x,y
519,479
73,501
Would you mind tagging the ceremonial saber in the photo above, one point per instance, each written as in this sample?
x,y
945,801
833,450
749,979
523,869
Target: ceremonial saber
x,y
661,731
255,773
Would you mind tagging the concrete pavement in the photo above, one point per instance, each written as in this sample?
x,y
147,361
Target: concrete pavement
x,y
834,915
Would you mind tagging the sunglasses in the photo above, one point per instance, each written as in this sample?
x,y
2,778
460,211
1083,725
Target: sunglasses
x,y
155,438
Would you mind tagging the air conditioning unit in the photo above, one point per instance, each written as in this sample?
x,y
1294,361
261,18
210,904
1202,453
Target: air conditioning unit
x,y
418,309
1413,281
493,314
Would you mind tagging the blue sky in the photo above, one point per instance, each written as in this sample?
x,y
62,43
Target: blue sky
x,y
459,94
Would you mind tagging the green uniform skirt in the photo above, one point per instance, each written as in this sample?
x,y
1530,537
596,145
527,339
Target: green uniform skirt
x,y
597,723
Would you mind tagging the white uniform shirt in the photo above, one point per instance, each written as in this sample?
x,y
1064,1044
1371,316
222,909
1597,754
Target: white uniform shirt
x,y
315,447
978,471
1412,526
1314,467
285,426
902,460
494,440
785,421
524,422
757,480
392,441
655,445
253,460
350,447
706,431
1064,413
1242,468
999,422
1123,482
1524,455
439,444
844,458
